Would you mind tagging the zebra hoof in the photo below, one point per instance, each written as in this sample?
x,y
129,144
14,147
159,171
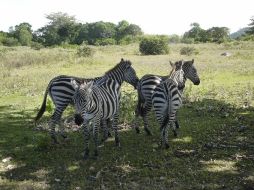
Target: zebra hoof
x,y
118,144
95,156
86,155
137,130
175,134
166,146
64,136
148,133
54,140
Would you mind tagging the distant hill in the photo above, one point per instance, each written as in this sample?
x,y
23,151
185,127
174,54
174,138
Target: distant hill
x,y
238,33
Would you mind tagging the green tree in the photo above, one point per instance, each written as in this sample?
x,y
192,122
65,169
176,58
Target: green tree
x,y
100,30
61,28
23,33
133,30
154,45
196,33
121,29
127,32
218,34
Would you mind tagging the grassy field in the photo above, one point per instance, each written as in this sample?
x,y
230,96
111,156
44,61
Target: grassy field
x,y
214,150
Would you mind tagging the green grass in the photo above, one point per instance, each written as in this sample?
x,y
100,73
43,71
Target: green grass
x,y
214,149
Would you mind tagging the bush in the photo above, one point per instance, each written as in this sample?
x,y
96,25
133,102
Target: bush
x,y
10,42
188,51
36,45
154,46
85,51
188,40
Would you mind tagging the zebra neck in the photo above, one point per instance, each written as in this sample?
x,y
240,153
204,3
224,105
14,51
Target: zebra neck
x,y
118,77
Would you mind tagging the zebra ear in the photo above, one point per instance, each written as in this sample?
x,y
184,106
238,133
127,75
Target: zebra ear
x,y
89,86
172,64
192,61
74,84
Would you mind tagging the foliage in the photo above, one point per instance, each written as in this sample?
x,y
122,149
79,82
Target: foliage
x,y
10,41
105,41
154,45
188,40
23,32
188,51
36,45
214,34
127,105
61,28
126,32
85,51
174,39
251,27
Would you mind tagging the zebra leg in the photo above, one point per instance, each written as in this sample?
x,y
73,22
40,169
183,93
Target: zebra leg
x,y
55,118
62,132
95,135
105,130
115,128
135,121
86,138
145,119
109,125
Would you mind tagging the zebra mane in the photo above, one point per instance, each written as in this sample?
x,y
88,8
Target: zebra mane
x,y
176,66
123,64
188,64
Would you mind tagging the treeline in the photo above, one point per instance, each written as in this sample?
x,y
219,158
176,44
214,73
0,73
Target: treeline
x,y
63,29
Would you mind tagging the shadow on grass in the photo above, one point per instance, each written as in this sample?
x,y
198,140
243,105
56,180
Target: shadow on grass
x,y
213,151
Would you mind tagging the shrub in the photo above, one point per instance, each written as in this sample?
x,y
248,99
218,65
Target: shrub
x,y
188,51
36,45
10,42
188,40
127,104
154,45
85,51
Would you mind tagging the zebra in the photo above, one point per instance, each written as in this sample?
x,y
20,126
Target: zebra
x,y
96,103
167,99
61,92
148,83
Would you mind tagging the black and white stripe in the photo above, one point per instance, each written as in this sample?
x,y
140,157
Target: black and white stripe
x,y
166,100
95,103
61,91
148,83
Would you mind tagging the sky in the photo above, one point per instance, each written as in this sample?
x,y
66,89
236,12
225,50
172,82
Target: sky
x,y
153,16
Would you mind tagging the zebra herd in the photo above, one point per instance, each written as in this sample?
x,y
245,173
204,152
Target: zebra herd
x,y
97,100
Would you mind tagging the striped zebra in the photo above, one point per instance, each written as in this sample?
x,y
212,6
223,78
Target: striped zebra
x,y
61,92
96,103
167,99
146,87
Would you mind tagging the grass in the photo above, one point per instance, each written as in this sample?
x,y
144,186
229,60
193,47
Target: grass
x,y
214,149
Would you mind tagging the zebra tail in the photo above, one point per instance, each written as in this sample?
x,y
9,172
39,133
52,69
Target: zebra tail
x,y
43,106
165,122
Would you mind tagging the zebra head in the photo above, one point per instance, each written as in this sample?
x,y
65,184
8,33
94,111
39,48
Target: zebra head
x,y
130,74
177,74
190,72
123,71
82,95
